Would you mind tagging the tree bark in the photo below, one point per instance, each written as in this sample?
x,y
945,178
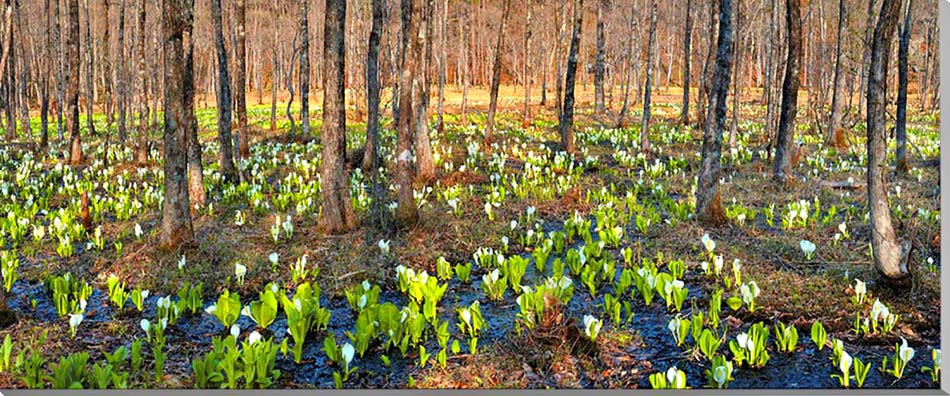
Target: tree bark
x,y
196,191
176,215
275,66
336,214
769,85
526,113
443,58
72,89
371,150
496,74
9,75
560,22
425,168
567,108
890,257
651,56
106,68
288,78
240,81
90,75
628,70
687,50
466,69
835,137
706,78
599,62
47,80
143,143
406,212
60,73
708,200
304,67
24,76
121,76
868,31
224,101
734,130
903,163
782,166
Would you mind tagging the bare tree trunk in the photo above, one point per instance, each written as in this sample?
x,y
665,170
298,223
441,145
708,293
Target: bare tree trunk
x,y
143,143
708,200
706,77
425,169
275,66
651,56
240,83
90,75
60,73
526,114
106,62
9,76
599,62
121,75
24,76
496,74
782,166
737,75
628,70
869,28
196,190
176,215
687,50
336,214
47,80
288,78
465,31
903,163
770,74
371,151
544,71
304,67
406,213
836,136
560,22
72,90
224,102
443,40
890,257
928,56
567,113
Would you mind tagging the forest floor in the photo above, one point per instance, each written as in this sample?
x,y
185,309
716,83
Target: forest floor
x,y
647,201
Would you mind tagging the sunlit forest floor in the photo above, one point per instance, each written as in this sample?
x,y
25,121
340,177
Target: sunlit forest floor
x,y
615,223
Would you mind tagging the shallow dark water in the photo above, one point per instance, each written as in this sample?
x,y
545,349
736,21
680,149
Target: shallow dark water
x,y
806,368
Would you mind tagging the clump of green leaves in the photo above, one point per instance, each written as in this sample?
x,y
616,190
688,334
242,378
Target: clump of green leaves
x,y
708,344
227,309
263,311
748,349
494,285
818,334
719,375
463,271
902,355
69,294
673,378
342,356
226,364
303,314
786,337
